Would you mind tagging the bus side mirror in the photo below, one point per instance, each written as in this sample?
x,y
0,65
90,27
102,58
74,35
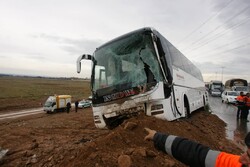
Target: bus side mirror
x,y
78,62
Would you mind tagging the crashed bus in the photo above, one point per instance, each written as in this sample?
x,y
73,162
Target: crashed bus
x,y
142,72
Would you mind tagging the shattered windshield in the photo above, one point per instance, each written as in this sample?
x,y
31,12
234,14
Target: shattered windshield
x,y
128,62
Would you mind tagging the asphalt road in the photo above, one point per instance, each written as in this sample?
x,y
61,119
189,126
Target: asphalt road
x,y
236,129
21,113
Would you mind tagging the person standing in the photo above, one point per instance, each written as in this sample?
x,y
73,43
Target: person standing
x,y
68,107
240,104
246,107
76,105
195,154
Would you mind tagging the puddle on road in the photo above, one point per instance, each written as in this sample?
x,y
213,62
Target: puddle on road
x,y
236,129
238,134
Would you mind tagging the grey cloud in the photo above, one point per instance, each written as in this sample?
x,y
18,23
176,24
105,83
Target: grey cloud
x,y
237,66
207,67
233,13
82,46
73,46
37,57
3,56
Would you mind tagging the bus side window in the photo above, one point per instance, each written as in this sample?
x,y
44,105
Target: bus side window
x,y
102,78
111,71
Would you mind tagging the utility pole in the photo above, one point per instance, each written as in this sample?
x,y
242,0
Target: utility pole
x,y
222,73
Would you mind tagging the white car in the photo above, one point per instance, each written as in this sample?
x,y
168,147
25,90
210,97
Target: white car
x,y
229,96
84,104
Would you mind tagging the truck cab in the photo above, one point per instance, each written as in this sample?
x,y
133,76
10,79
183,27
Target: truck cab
x,y
56,103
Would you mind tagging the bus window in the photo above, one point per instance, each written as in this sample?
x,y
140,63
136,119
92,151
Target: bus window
x,y
111,71
150,63
100,77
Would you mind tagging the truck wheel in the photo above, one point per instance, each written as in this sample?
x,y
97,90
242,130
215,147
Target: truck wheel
x,y
48,112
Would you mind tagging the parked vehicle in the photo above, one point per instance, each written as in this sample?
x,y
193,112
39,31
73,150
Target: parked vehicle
x,y
215,92
215,88
229,96
56,103
84,104
238,85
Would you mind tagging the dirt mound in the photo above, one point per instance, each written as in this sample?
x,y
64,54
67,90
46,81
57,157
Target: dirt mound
x,y
72,140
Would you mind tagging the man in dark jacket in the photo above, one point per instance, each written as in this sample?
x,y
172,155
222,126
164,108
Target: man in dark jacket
x,y
197,155
240,104
76,105
68,107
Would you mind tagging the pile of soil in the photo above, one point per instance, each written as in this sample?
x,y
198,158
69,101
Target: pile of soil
x,y
72,139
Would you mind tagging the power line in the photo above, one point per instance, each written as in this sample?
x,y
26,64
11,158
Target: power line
x,y
225,51
227,44
218,35
219,26
210,18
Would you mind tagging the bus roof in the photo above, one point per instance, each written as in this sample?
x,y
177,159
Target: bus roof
x,y
150,29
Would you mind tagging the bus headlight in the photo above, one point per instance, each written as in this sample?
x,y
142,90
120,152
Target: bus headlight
x,y
157,107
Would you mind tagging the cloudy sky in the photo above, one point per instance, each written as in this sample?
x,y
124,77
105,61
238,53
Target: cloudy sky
x,y
45,37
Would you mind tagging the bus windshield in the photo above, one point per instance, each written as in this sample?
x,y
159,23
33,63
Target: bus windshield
x,y
216,86
128,62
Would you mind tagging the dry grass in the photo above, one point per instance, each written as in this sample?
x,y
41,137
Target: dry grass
x,y
27,92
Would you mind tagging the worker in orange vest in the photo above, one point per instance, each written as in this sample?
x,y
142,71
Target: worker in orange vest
x,y
240,104
246,107
248,100
195,154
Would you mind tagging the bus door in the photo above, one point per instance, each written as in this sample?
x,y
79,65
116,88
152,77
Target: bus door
x,y
177,101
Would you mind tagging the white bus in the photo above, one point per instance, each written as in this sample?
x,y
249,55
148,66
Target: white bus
x,y
142,72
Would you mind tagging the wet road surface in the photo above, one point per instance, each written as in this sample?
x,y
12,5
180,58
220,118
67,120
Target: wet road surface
x,y
236,129
21,113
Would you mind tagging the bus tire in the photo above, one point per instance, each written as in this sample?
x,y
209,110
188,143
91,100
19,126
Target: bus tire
x,y
186,107
204,103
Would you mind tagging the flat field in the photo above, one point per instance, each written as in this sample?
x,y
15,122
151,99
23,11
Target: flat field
x,y
26,92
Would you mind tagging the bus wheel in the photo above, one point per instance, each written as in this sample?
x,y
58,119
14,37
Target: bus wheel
x,y
186,107
204,103
114,121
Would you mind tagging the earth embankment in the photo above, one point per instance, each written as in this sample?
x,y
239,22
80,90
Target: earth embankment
x,y
72,139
